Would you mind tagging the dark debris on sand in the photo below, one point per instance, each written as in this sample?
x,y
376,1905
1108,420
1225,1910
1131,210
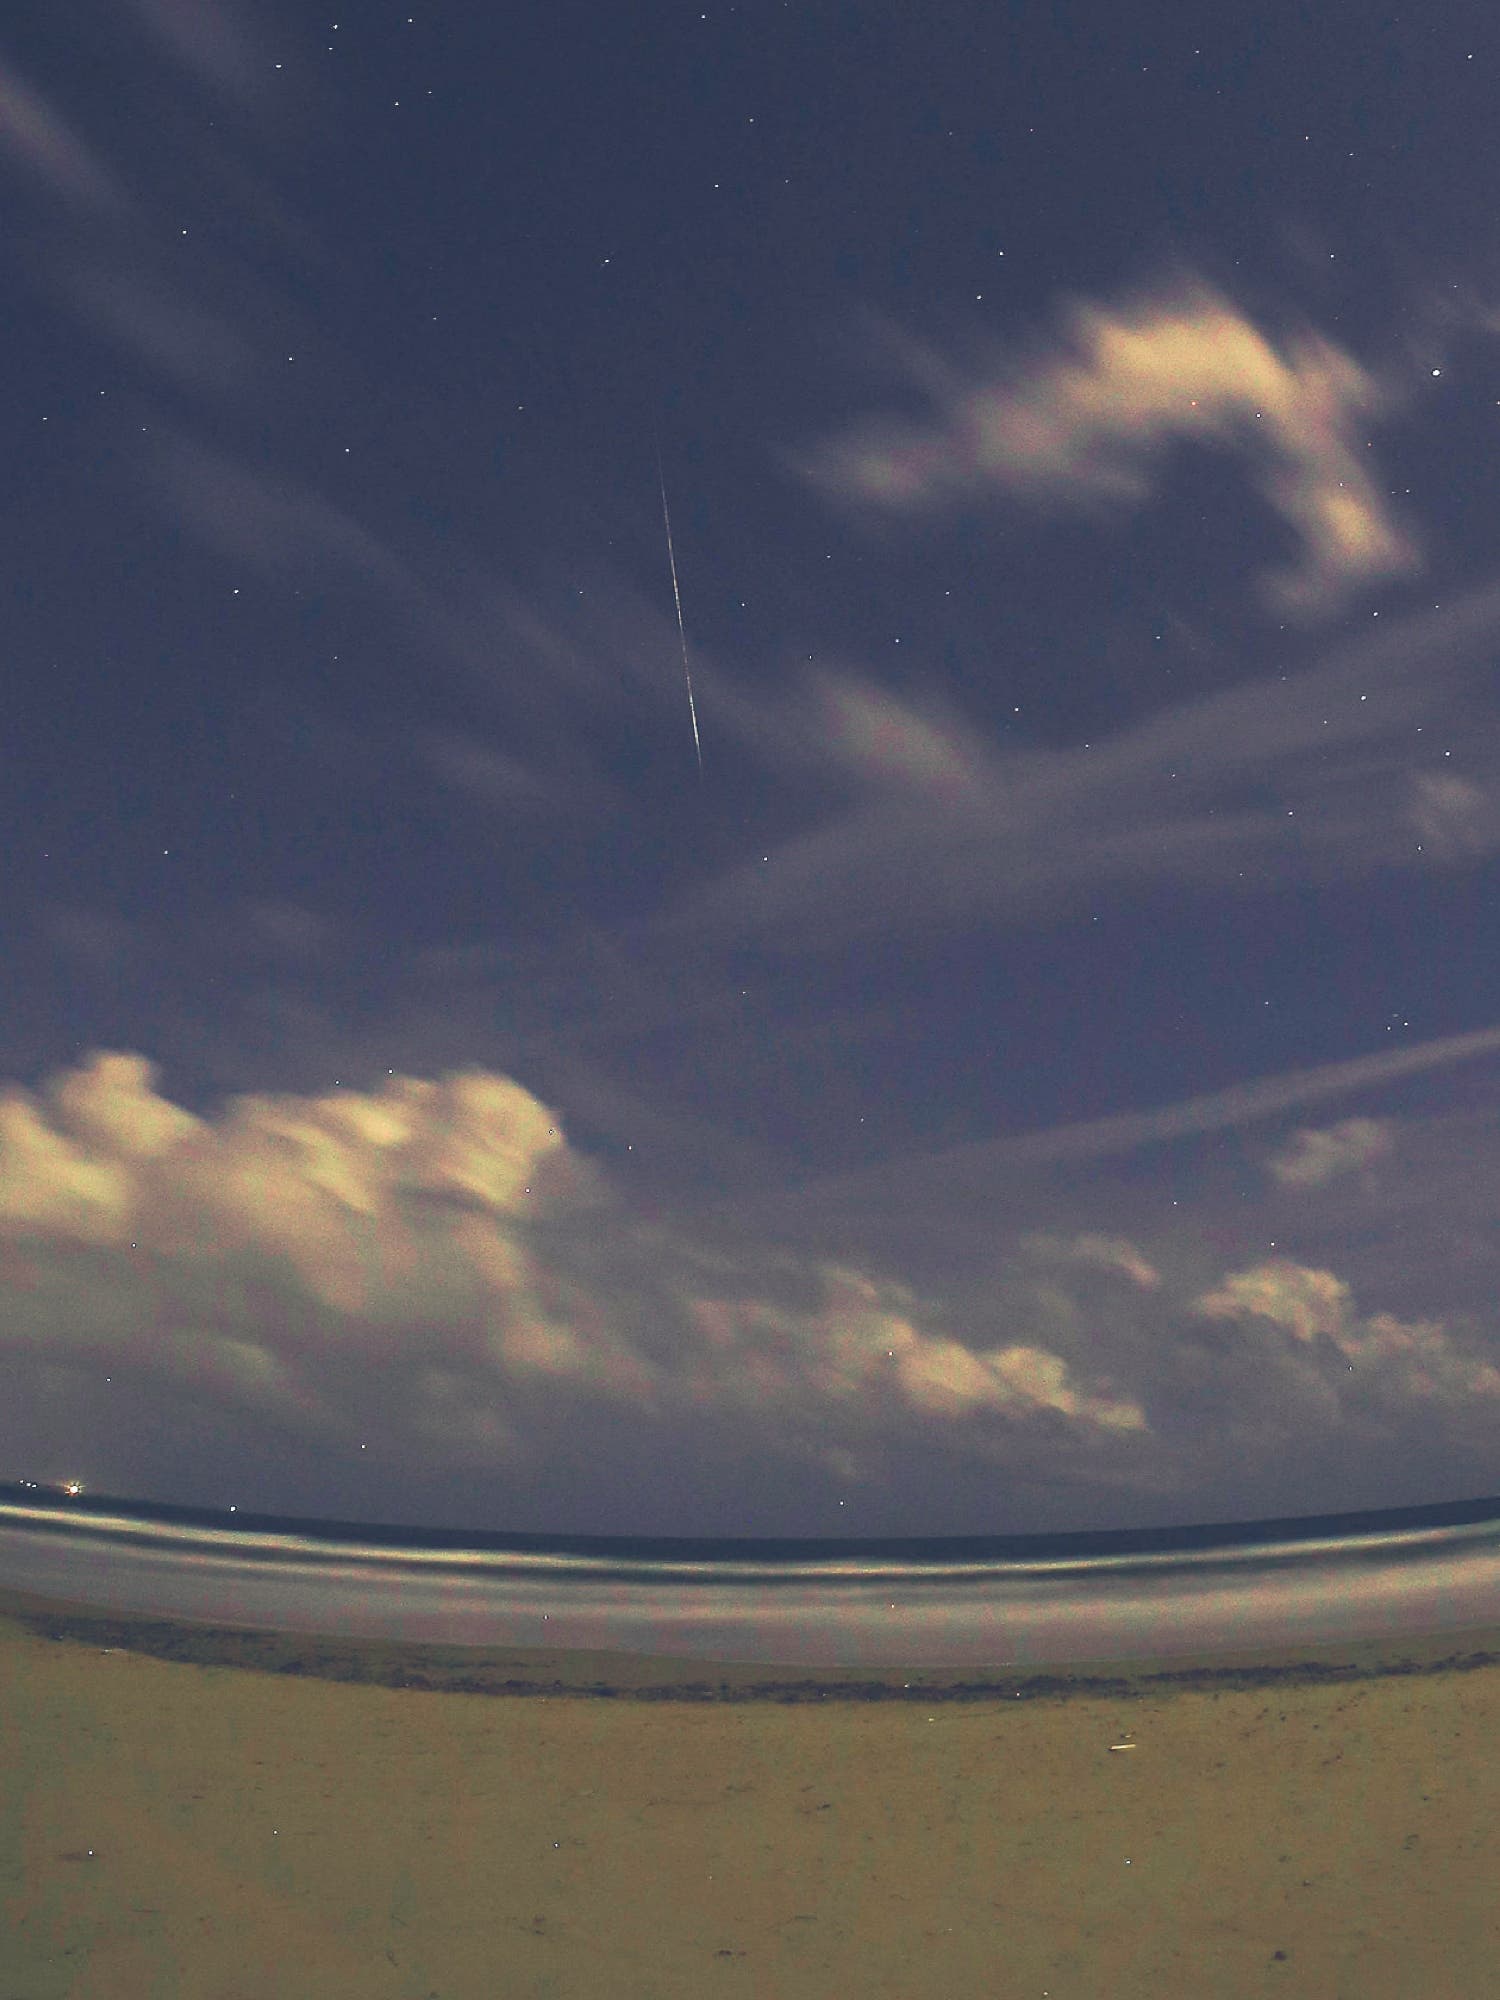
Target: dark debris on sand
x,y
472,1670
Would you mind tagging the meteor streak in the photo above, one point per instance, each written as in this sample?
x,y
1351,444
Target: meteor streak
x,y
677,599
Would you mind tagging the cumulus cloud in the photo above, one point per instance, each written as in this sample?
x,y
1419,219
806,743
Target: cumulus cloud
x,y
1105,1253
447,1236
1087,426
434,1269
1315,1156
862,1336
1417,1359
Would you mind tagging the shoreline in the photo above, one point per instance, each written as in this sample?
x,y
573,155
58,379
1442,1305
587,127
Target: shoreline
x,y
211,1812
529,1672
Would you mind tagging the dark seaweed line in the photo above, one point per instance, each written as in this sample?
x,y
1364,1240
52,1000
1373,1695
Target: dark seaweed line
x,y
274,1653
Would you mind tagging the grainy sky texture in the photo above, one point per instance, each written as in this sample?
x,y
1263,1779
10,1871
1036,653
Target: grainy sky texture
x,y
1042,1073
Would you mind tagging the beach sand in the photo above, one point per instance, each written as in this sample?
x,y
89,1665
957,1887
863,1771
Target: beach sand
x,y
192,1814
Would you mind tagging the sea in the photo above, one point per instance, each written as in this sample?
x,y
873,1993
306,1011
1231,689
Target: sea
x,y
967,1601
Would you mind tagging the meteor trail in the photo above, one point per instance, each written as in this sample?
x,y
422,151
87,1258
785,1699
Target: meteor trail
x,y
677,599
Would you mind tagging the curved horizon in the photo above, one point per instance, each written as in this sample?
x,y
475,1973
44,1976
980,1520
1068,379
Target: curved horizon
x,y
820,874
971,1602
750,808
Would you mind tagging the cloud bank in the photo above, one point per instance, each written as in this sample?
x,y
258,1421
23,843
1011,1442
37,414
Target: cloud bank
x,y
432,1271
447,1234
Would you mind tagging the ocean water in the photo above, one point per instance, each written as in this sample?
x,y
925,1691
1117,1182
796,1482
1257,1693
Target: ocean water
x,y
1028,1600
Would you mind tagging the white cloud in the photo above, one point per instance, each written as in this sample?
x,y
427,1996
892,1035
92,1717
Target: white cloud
x,y
448,1235
1086,427
1105,1253
1412,1359
433,1270
1314,1156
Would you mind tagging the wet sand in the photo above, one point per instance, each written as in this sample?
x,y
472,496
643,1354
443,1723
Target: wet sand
x,y
191,1813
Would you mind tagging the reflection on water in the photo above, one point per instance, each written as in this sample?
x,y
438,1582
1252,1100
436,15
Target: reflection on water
x,y
1024,1600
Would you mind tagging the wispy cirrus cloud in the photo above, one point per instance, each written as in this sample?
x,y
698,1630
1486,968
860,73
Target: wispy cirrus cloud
x,y
277,525
1382,756
1088,425
208,37
45,145
922,1178
488,776
194,346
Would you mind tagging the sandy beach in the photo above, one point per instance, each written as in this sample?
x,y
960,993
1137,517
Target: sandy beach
x,y
231,1816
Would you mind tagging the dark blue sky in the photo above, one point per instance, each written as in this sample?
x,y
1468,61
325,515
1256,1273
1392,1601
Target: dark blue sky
x,y
1042,1072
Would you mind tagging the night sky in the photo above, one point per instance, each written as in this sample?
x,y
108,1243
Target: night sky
x,y
1042,1069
